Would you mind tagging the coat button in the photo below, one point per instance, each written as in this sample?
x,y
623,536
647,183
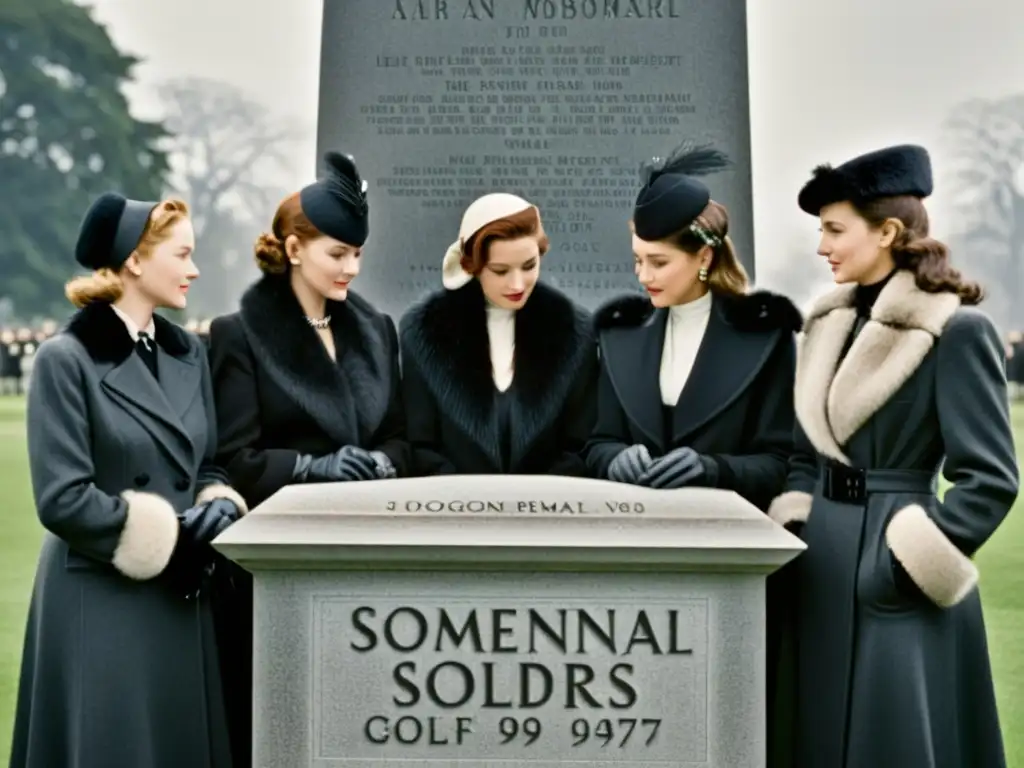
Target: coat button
x,y
142,480
182,485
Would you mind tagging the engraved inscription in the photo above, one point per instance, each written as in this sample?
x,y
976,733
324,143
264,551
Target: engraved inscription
x,y
520,506
556,100
453,679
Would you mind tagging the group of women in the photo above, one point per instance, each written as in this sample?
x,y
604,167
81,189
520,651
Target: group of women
x,y
143,447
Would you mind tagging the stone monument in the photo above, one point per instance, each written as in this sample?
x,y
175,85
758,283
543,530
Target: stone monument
x,y
520,622
440,101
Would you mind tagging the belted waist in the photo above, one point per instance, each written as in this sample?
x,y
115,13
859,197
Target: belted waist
x,y
852,485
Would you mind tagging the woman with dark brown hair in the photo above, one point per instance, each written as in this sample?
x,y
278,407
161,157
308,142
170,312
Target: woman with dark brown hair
x,y
696,377
498,368
899,375
306,380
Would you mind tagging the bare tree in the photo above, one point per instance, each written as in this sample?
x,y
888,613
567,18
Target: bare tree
x,y
226,150
227,154
985,142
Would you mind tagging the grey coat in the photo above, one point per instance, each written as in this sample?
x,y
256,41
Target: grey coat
x,y
118,669
893,664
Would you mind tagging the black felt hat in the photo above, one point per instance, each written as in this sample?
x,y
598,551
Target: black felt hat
x,y
905,169
111,230
336,204
671,197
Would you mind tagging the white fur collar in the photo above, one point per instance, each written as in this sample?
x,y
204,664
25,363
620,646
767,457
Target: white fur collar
x,y
832,402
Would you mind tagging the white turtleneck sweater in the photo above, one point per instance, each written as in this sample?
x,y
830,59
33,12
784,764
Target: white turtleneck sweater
x,y
501,332
684,331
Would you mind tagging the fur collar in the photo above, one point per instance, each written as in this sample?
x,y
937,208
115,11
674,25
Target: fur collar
x,y
445,335
106,339
760,311
348,398
835,399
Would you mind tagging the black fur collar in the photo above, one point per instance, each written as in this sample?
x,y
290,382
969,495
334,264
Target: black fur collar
x,y
759,311
347,398
446,335
106,339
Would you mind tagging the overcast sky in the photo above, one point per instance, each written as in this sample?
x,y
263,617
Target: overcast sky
x,y
829,78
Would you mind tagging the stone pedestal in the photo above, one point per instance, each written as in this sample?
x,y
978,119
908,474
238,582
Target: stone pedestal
x,y
508,621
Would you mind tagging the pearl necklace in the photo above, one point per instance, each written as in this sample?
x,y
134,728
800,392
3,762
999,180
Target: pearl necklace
x,y
319,324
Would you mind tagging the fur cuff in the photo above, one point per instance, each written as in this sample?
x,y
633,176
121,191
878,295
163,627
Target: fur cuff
x,y
221,491
944,573
791,507
148,537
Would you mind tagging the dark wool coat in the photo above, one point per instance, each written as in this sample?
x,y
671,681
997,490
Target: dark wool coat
x,y
118,668
736,408
279,394
450,394
893,659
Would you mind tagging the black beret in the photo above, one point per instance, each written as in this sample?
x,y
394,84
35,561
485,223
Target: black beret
x,y
900,170
336,204
671,197
111,230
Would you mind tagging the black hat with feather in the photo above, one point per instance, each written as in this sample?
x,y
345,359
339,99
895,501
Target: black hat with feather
x,y
336,204
672,197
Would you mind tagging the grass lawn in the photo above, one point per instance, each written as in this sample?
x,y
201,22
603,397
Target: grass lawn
x,y
1001,563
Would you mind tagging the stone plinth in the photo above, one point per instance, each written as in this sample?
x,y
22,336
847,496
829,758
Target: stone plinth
x,y
508,621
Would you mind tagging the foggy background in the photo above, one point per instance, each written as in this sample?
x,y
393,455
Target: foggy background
x,y
236,82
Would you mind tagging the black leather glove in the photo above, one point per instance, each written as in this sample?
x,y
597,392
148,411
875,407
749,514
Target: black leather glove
x,y
347,464
629,464
194,561
203,523
676,469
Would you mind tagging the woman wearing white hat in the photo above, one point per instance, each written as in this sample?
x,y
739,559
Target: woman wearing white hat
x,y
499,370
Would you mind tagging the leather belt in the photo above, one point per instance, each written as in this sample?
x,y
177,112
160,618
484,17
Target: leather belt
x,y
852,485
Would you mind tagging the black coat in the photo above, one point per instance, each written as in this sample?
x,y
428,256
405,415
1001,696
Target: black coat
x,y
450,392
887,577
279,394
737,406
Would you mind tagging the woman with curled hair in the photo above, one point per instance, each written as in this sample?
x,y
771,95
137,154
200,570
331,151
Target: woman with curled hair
x,y
120,663
498,368
306,380
899,375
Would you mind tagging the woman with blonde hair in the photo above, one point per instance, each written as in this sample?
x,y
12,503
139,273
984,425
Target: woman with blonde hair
x,y
120,664
499,369
306,380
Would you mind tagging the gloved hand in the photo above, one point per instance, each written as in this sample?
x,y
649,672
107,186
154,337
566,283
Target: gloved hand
x,y
629,465
676,469
203,523
346,464
385,469
194,561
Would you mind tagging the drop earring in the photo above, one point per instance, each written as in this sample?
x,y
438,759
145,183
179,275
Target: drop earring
x,y
702,274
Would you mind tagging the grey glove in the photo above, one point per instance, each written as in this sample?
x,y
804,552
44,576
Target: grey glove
x,y
385,469
676,469
347,464
629,464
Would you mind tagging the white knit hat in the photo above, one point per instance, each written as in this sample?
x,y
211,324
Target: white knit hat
x,y
480,213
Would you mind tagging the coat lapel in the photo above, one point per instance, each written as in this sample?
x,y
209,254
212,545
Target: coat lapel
x,y
347,399
836,398
445,336
159,407
633,361
742,333
728,360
